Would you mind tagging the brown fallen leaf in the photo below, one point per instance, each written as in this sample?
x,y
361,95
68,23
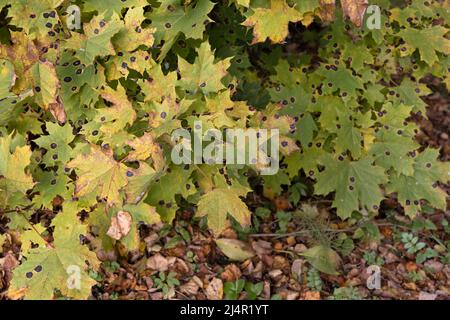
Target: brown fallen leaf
x,y
57,110
296,268
354,10
327,9
120,225
158,263
411,266
231,273
427,296
312,295
190,288
214,290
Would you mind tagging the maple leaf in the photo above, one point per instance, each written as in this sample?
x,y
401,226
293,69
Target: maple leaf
x,y
109,8
96,40
13,163
99,173
204,75
36,17
422,184
159,86
144,148
56,143
161,194
427,41
220,202
133,35
171,19
7,78
272,22
356,183
391,150
23,54
62,267
140,182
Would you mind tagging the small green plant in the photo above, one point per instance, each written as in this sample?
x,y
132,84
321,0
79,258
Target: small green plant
x,y
166,283
425,255
372,258
233,289
415,276
314,281
345,293
253,290
411,242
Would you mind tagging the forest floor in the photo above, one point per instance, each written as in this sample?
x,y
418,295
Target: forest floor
x,y
182,261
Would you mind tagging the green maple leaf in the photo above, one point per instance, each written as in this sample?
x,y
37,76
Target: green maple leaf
x,y
391,151
409,93
78,84
356,183
100,174
96,39
341,79
308,160
348,138
171,19
427,41
204,75
109,8
61,267
272,22
220,202
162,193
56,143
422,184
49,185
13,176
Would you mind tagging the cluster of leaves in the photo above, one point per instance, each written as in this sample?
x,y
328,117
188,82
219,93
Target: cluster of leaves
x,y
86,115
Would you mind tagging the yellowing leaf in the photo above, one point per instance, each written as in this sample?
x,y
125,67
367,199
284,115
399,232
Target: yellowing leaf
x,y
204,74
427,41
96,40
220,202
133,34
13,162
144,148
323,259
100,174
272,23
61,267
235,249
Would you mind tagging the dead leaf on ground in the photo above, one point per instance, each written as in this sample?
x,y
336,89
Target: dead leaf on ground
x,y
214,290
312,295
158,263
235,249
120,225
